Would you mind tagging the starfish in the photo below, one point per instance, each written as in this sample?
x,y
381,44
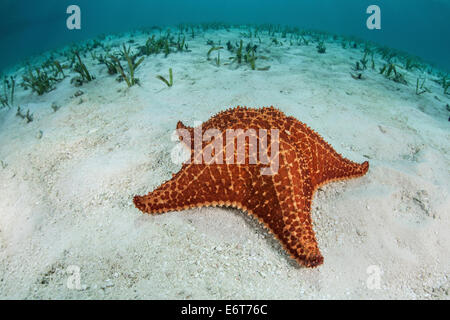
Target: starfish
x,y
281,200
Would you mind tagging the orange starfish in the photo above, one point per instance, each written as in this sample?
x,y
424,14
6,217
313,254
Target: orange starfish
x,y
281,200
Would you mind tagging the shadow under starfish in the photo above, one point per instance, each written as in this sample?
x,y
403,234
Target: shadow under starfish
x,y
281,201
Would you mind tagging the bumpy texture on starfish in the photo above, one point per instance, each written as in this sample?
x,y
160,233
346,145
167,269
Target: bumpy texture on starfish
x,y
282,201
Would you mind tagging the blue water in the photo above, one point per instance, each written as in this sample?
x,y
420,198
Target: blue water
x,y
419,27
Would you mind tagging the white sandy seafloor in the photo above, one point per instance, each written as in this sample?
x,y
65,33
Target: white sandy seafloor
x,y
66,193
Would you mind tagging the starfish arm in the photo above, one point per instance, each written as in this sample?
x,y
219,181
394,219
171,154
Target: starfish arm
x,y
324,163
294,191
190,130
327,165
292,227
299,238
195,185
